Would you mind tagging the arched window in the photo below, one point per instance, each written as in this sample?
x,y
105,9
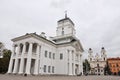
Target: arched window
x,y
27,46
34,48
21,48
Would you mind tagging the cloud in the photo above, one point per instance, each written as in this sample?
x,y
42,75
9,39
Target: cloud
x,y
60,3
97,22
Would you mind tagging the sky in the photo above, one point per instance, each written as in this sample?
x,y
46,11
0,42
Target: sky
x,y
97,22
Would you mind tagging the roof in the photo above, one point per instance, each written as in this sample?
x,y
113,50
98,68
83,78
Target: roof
x,y
114,58
37,36
66,19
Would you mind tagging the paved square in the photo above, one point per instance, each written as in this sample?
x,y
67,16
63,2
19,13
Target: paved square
x,y
18,77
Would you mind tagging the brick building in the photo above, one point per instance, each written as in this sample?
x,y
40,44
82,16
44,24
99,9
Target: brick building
x,y
114,65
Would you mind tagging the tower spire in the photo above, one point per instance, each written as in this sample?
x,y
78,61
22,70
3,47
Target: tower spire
x,y
66,14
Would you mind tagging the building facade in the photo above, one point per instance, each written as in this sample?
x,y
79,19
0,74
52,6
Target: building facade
x,y
37,55
114,65
97,62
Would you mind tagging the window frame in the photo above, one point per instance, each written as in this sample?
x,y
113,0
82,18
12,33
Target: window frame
x,y
46,53
53,55
50,55
53,69
45,68
49,69
61,56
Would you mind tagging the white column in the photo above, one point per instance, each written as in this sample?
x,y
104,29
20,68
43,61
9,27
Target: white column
x,y
28,66
41,58
37,60
81,63
11,60
16,60
70,62
74,63
78,72
22,60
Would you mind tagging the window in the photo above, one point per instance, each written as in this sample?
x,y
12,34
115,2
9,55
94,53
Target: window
x,y
62,32
27,46
21,48
117,65
104,59
53,55
113,65
44,68
52,69
49,54
98,70
61,56
97,65
45,53
49,69
95,70
90,59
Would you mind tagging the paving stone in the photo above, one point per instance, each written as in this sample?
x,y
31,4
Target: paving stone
x,y
19,77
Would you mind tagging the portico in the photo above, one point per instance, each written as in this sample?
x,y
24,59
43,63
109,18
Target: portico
x,y
25,58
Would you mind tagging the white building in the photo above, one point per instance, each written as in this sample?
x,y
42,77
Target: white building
x,y
1,49
97,62
35,54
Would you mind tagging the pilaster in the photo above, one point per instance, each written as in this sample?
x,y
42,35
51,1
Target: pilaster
x,y
73,63
70,62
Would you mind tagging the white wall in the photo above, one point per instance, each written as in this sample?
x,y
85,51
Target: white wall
x,y
60,66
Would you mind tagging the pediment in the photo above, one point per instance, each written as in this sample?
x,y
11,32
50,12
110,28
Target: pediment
x,y
78,46
33,35
22,37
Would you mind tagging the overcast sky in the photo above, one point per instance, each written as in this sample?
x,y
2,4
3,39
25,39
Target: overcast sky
x,y
97,22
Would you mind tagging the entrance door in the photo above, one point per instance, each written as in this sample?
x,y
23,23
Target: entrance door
x,y
76,69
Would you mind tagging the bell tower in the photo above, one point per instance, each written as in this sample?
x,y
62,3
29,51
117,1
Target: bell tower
x,y
65,27
103,54
65,31
90,56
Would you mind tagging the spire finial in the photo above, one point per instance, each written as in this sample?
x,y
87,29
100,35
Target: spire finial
x,y
66,14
